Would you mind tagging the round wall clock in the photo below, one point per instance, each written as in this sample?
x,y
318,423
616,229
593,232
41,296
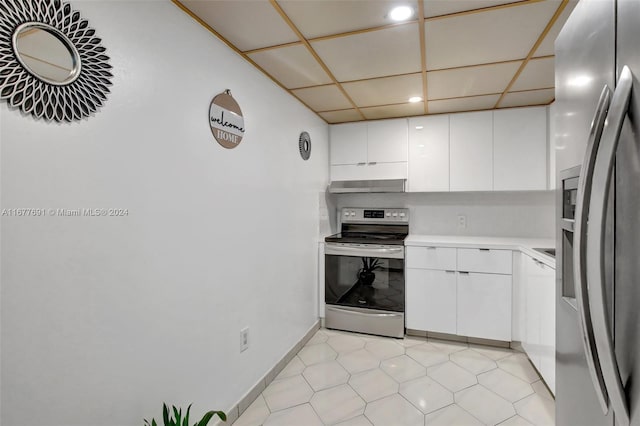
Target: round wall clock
x,y
304,145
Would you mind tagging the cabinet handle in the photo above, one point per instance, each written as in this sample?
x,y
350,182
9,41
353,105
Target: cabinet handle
x,y
361,164
373,163
484,249
464,272
450,272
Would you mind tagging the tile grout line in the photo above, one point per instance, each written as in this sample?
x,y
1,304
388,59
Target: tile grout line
x,y
380,360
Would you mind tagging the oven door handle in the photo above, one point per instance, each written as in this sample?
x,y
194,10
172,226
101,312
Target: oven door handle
x,y
386,253
365,314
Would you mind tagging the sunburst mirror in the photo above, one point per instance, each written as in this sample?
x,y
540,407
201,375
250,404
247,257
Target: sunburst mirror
x,y
52,65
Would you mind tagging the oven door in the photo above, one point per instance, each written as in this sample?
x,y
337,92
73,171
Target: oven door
x,y
365,276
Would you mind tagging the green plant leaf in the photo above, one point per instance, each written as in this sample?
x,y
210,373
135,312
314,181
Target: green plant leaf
x,y
205,419
165,414
178,415
185,422
153,422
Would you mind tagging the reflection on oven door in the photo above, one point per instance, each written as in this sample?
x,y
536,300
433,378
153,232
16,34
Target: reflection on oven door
x,y
365,282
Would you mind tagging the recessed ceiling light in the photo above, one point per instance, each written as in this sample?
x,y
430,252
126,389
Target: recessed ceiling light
x,y
415,99
401,13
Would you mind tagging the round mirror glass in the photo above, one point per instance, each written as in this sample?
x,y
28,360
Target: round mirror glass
x,y
46,53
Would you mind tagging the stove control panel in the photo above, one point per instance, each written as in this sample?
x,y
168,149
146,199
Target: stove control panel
x,y
374,215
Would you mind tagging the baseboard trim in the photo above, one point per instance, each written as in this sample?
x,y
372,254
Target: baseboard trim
x,y
236,410
457,338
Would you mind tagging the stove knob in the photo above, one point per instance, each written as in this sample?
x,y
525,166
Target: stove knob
x,y
395,214
402,214
346,213
388,214
353,213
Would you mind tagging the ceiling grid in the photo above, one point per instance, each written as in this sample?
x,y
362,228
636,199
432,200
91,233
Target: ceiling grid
x,y
546,30
347,61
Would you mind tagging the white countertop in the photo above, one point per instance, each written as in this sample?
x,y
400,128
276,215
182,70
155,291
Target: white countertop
x,y
525,245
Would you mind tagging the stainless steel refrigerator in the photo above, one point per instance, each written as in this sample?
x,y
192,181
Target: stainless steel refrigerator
x,y
596,131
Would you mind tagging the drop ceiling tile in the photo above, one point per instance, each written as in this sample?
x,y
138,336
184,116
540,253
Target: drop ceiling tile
x,y
480,80
389,111
531,97
391,51
384,91
537,74
446,7
246,24
341,116
546,47
499,35
293,66
323,98
323,17
474,103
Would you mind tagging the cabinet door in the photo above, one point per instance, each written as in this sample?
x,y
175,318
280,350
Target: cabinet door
x,y
348,143
484,305
429,153
547,325
471,145
520,149
431,300
518,297
531,342
387,141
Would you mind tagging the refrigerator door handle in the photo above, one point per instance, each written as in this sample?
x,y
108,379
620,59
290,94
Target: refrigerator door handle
x,y
579,252
602,175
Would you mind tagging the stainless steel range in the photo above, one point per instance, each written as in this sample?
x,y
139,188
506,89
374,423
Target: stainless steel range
x,y
364,272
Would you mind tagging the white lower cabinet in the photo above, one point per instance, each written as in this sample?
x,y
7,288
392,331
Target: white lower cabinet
x,y
484,305
431,300
539,317
441,298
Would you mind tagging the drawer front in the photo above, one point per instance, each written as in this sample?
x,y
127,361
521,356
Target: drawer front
x,y
485,260
440,258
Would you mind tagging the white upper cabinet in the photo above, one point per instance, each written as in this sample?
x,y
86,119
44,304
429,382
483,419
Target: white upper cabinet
x,y
471,151
429,153
369,150
348,143
520,149
387,141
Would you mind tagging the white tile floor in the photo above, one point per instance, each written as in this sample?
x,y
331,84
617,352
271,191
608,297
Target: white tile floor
x,y
349,379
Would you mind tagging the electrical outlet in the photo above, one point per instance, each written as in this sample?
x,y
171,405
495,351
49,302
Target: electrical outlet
x,y
462,221
244,339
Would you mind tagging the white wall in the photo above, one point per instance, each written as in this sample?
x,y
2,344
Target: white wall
x,y
103,319
499,214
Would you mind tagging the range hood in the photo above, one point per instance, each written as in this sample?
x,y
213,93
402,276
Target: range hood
x,y
353,186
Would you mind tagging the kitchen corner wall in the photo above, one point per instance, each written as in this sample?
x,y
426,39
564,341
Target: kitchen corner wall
x,y
104,318
497,214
